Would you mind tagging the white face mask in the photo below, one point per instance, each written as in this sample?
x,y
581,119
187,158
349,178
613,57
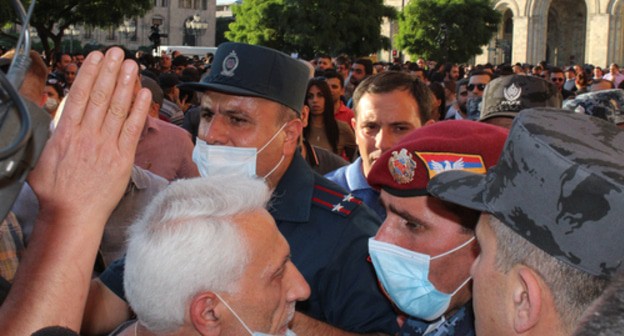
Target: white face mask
x,y
51,104
214,160
252,333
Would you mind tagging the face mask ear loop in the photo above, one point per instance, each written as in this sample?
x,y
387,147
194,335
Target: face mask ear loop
x,y
234,313
455,249
274,168
462,285
272,138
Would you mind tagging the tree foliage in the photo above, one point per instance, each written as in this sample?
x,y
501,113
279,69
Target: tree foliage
x,y
447,30
312,26
51,17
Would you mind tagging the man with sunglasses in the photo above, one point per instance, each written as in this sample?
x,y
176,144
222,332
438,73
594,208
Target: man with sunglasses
x,y
557,77
477,82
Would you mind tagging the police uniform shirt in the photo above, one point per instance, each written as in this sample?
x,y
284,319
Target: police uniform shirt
x,y
352,178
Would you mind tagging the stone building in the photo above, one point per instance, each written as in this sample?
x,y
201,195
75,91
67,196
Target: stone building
x,y
561,32
185,22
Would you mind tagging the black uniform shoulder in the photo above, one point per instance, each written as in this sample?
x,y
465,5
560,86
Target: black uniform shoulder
x,y
333,198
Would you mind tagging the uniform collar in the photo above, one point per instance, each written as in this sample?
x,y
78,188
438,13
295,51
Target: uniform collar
x,y
293,195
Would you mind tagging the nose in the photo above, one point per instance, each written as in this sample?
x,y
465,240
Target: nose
x,y
298,289
214,131
384,233
384,140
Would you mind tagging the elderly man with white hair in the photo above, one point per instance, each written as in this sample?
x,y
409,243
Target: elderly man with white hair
x,y
206,258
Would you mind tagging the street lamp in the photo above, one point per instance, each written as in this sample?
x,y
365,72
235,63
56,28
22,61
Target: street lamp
x,y
128,27
71,31
193,27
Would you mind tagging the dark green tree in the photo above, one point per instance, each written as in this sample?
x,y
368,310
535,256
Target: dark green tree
x,y
51,17
312,26
447,30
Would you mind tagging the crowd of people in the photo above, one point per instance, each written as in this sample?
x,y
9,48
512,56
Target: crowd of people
x,y
265,195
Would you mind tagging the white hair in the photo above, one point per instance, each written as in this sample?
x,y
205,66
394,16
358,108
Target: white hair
x,y
186,243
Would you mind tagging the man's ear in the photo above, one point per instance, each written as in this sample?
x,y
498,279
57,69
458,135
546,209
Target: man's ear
x,y
429,122
204,315
293,131
305,114
528,295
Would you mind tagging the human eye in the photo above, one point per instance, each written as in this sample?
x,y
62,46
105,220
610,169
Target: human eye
x,y
207,114
370,128
402,128
413,226
237,120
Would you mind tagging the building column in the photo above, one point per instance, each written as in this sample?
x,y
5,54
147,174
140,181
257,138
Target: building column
x,y
599,48
537,36
520,40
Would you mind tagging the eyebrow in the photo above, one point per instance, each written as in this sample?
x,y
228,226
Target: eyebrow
x,y
402,214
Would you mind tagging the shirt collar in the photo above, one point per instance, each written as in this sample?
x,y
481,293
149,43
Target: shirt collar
x,y
355,176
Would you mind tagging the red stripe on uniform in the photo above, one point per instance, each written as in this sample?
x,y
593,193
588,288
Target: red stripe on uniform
x,y
330,206
329,191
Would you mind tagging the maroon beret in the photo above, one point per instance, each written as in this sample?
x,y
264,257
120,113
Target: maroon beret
x,y
405,169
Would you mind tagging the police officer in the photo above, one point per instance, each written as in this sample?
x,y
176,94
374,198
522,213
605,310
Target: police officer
x,y
424,249
250,125
551,231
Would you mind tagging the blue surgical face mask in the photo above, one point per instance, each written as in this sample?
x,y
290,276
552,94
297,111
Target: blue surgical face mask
x,y
252,333
214,160
404,275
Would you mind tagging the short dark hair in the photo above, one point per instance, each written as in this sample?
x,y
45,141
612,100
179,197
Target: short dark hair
x,y
368,65
389,81
331,73
480,72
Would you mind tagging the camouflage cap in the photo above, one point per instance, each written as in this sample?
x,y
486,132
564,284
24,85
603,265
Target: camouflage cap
x,y
559,183
603,104
508,95
255,71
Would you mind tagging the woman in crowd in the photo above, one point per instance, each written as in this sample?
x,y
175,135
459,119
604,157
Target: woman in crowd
x,y
323,129
439,101
54,93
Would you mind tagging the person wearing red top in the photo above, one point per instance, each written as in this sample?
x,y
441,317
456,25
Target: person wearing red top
x,y
336,86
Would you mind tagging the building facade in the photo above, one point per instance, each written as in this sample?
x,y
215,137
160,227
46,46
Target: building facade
x,y
561,32
183,22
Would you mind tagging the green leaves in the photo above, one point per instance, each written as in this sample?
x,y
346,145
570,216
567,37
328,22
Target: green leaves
x,y
446,30
312,26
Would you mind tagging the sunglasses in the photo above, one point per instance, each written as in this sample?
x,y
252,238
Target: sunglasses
x,y
557,79
479,87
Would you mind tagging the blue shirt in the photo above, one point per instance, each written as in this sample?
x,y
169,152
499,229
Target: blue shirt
x,y
352,178
328,232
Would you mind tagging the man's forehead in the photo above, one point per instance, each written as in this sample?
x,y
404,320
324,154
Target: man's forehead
x,y
333,81
479,78
211,97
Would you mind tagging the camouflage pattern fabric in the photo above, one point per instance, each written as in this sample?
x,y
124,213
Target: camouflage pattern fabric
x,y
604,104
461,323
559,183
